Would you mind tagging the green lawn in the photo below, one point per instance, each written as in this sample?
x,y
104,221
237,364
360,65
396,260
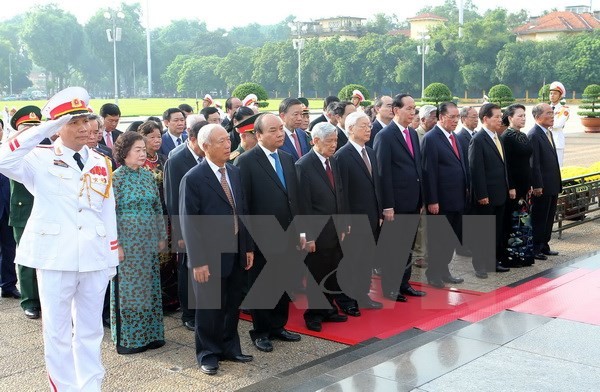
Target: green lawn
x,y
153,106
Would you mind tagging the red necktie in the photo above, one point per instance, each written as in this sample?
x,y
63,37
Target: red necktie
x,y
408,142
454,147
329,173
297,143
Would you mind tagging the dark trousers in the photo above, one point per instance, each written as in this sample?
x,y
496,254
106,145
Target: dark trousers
x,y
543,209
30,296
8,273
321,265
267,321
217,329
487,262
392,269
184,279
441,256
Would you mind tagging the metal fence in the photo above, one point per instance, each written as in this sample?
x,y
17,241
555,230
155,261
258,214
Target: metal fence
x,y
578,202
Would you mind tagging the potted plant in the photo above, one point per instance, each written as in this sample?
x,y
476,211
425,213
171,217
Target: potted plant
x,y
590,118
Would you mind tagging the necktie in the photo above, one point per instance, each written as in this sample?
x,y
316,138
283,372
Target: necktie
x,y
227,191
553,108
549,135
278,168
366,159
329,173
498,146
109,142
178,141
408,142
297,144
77,158
199,159
454,146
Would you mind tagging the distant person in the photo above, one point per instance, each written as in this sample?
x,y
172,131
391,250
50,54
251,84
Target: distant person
x,y
174,119
231,105
111,114
469,120
211,114
296,140
427,116
561,115
245,127
341,110
323,116
357,98
207,101
187,109
134,126
383,116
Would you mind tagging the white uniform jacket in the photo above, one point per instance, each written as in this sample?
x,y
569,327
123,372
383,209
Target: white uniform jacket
x,y
72,226
561,115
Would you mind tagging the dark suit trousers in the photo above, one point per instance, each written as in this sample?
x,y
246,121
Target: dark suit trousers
x,y
321,264
267,321
543,209
8,273
440,257
487,263
30,296
217,329
184,280
392,269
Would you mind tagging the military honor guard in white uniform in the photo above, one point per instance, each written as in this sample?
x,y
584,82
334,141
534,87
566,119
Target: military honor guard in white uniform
x,y
70,237
561,115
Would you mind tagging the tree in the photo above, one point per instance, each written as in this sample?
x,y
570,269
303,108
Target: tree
x,y
501,95
20,64
54,40
171,76
436,93
236,67
382,23
197,75
244,89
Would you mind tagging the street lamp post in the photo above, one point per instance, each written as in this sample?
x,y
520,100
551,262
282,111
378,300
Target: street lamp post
x,y
114,35
298,43
423,49
10,72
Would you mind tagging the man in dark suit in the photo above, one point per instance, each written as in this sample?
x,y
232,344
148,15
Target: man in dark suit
x,y
96,125
469,120
296,140
362,186
322,193
546,180
399,160
175,168
231,105
111,114
383,108
323,117
214,187
489,182
444,188
271,188
341,110
174,119
8,274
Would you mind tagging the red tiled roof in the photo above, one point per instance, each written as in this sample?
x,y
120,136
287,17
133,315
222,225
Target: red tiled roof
x,y
559,21
428,16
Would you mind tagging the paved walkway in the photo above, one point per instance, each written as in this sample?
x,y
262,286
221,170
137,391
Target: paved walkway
x,y
173,367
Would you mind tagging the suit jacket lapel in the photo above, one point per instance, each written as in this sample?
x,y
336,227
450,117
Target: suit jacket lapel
x,y
212,181
316,161
492,145
358,158
266,165
288,143
400,136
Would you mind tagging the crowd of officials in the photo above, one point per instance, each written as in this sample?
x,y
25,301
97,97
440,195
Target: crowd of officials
x,y
105,220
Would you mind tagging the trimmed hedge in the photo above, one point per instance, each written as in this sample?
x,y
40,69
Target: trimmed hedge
x,y
436,93
244,89
591,100
501,95
346,92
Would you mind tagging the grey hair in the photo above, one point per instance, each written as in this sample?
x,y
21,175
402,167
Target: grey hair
x,y
426,110
98,119
193,119
464,111
537,110
206,132
353,118
322,130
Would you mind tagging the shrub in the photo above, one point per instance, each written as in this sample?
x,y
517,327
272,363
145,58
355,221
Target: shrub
x,y
544,93
591,100
436,93
346,92
244,89
501,95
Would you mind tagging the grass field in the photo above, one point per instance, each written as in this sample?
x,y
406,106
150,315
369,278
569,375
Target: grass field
x,y
151,107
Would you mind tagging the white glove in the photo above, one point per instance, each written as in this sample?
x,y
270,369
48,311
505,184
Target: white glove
x,y
51,127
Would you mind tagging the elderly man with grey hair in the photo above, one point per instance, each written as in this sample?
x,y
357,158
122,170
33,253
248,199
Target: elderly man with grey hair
x,y
469,119
322,193
428,116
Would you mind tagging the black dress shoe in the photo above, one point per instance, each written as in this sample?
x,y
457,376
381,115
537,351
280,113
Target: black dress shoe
x,y
368,303
336,318
313,326
263,344
156,344
481,274
211,370
437,283
190,325
239,358
352,311
412,292
550,252
452,279
395,296
32,313
12,293
540,256
286,336
500,268
130,350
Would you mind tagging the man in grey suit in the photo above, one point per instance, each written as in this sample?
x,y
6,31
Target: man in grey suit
x,y
469,120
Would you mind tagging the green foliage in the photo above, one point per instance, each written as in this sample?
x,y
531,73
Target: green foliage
x,y
501,95
263,104
244,89
345,93
436,93
544,93
591,100
366,103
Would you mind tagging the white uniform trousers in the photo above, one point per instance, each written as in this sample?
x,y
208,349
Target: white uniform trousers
x,y
72,325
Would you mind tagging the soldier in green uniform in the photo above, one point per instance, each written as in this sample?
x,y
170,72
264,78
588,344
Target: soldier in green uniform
x,y
248,140
21,202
